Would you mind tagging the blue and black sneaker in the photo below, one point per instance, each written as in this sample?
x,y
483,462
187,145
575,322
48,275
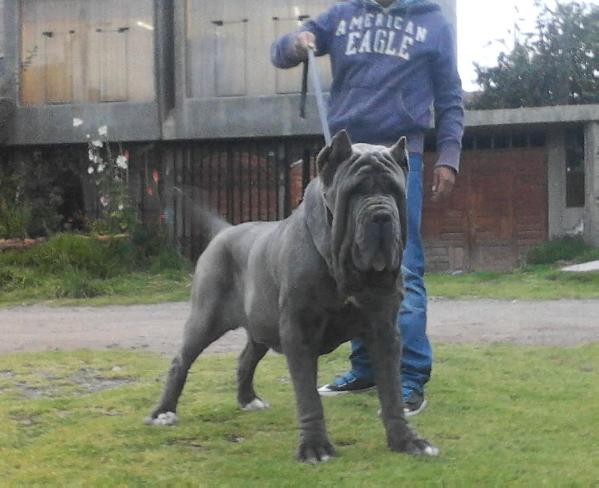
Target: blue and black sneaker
x,y
414,402
347,383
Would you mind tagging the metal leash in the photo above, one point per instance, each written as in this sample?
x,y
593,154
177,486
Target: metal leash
x,y
311,71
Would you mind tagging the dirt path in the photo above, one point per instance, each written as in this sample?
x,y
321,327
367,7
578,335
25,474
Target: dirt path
x,y
158,327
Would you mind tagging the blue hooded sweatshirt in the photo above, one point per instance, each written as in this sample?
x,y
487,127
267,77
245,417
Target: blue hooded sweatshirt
x,y
390,66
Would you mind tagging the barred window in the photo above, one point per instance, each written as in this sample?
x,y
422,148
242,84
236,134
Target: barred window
x,y
86,51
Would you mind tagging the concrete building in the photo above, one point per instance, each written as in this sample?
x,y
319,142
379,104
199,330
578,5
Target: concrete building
x,y
188,87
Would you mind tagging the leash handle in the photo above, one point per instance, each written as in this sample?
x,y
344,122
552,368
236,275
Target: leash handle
x,y
304,96
311,72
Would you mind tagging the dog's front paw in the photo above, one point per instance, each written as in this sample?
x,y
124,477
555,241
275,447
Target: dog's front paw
x,y
422,447
256,404
315,451
415,445
164,418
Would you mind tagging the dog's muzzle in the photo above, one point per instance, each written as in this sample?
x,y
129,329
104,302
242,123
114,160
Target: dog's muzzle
x,y
378,238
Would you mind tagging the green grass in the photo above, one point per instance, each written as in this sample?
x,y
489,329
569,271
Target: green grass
x,y
128,289
530,283
540,280
502,415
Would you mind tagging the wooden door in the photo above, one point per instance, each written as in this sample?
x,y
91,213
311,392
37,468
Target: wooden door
x,y
497,212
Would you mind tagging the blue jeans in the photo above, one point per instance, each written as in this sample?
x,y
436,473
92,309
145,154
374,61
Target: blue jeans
x,y
417,356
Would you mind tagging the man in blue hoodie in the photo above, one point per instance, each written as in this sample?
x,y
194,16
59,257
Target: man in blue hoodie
x,y
392,60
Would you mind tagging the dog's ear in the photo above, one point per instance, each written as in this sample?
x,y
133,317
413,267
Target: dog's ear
x,y
331,156
399,153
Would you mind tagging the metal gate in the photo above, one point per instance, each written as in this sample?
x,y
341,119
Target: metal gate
x,y
242,181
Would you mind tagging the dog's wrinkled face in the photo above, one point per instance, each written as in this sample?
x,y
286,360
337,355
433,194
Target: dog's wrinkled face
x,y
364,193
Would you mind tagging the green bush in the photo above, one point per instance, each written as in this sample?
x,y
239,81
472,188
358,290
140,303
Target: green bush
x,y
591,254
101,259
168,260
15,279
562,249
149,241
14,221
33,192
75,283
76,266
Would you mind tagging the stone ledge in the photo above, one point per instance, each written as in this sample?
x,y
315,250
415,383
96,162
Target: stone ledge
x,y
532,115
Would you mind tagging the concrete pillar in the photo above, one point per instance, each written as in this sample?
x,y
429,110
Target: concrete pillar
x,y
2,20
561,219
9,45
591,163
556,181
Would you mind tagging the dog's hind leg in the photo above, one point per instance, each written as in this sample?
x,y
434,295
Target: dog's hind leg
x,y
248,360
216,308
203,327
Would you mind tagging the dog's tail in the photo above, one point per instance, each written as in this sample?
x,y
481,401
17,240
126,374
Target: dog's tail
x,y
204,219
209,223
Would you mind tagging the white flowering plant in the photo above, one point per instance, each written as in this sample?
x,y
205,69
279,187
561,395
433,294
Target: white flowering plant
x,y
108,165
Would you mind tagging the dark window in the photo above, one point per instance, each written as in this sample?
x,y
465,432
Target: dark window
x,y
484,142
519,139
468,143
537,139
501,141
575,168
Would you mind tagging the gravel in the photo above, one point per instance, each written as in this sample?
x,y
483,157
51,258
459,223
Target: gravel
x,y
158,327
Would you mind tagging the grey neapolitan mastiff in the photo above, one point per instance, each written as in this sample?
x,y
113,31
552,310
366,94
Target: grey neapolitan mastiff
x,y
305,285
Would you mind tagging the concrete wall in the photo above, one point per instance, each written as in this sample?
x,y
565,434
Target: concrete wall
x,y
542,116
591,211
1,34
175,115
53,124
6,104
264,111
562,220
5,44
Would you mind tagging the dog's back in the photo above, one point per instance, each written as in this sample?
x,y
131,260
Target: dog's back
x,y
225,277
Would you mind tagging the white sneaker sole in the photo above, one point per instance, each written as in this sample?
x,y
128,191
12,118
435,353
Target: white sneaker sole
x,y
411,413
322,391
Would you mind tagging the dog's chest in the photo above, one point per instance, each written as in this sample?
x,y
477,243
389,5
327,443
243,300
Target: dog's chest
x,y
341,326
